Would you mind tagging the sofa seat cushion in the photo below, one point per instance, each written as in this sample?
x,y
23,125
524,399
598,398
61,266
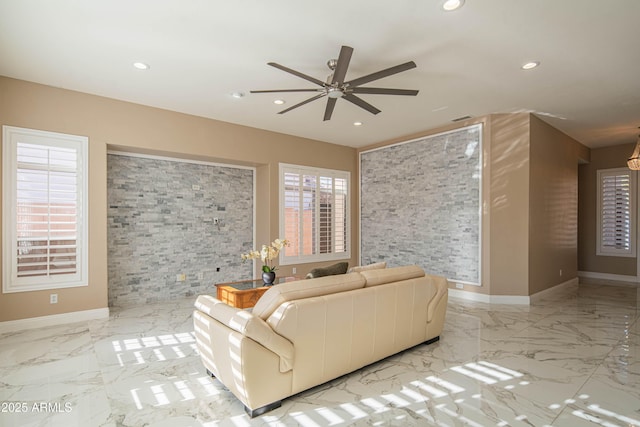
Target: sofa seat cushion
x,y
289,291
338,268
388,275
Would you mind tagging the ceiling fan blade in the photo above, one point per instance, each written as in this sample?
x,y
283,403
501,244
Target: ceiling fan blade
x,y
313,98
360,103
383,73
384,91
343,63
284,90
297,73
331,104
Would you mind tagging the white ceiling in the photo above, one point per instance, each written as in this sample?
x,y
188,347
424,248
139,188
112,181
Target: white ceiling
x,y
468,61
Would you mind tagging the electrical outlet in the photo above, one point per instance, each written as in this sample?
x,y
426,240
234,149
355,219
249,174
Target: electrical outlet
x,y
218,269
459,286
201,276
195,187
560,272
53,299
181,277
294,270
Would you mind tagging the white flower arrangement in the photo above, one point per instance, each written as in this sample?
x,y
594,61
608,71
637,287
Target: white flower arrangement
x,y
267,254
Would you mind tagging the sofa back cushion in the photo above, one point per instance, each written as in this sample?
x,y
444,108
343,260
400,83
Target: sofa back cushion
x,y
290,291
394,274
374,266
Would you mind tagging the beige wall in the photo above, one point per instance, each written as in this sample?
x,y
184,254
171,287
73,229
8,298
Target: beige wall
x,y
529,165
529,203
601,158
125,126
553,201
509,204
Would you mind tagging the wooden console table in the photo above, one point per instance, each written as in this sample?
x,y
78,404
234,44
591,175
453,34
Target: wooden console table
x,y
245,293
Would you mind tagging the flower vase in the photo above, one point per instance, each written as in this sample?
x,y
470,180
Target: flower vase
x,y
268,278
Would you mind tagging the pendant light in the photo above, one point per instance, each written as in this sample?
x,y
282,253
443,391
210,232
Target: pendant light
x,y
634,161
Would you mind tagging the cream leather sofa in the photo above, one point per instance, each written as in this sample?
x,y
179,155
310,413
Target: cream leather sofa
x,y
305,333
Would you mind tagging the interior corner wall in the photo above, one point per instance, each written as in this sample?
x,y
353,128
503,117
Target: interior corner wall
x,y
588,261
509,204
553,202
531,188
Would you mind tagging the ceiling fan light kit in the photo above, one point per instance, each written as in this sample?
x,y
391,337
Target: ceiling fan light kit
x,y
335,86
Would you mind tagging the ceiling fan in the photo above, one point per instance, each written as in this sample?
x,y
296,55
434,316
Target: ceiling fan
x,y
335,87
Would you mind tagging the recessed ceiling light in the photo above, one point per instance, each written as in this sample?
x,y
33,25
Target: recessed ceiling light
x,y
451,5
357,123
530,65
238,95
279,101
141,65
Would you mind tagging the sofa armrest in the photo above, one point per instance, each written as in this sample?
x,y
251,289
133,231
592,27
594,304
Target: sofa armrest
x,y
442,290
249,325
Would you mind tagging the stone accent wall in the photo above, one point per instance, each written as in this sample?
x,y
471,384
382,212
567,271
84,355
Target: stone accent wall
x,y
420,204
161,223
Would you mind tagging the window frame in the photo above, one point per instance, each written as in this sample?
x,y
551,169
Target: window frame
x,y
608,251
11,136
318,172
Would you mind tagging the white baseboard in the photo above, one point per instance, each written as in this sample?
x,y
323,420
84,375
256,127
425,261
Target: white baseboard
x,y
607,276
54,319
512,299
469,296
571,283
489,299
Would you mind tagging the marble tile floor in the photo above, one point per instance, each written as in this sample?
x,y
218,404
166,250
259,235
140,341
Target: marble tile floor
x,y
572,359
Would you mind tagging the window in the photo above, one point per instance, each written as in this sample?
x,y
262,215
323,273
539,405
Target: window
x,y
44,212
314,214
616,205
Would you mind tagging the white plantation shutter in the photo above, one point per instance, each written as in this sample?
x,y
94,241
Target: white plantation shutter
x,y
44,190
309,215
46,199
340,217
314,214
325,222
292,209
616,211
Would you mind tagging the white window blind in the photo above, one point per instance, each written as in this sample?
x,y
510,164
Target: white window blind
x,y
616,212
44,210
314,214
